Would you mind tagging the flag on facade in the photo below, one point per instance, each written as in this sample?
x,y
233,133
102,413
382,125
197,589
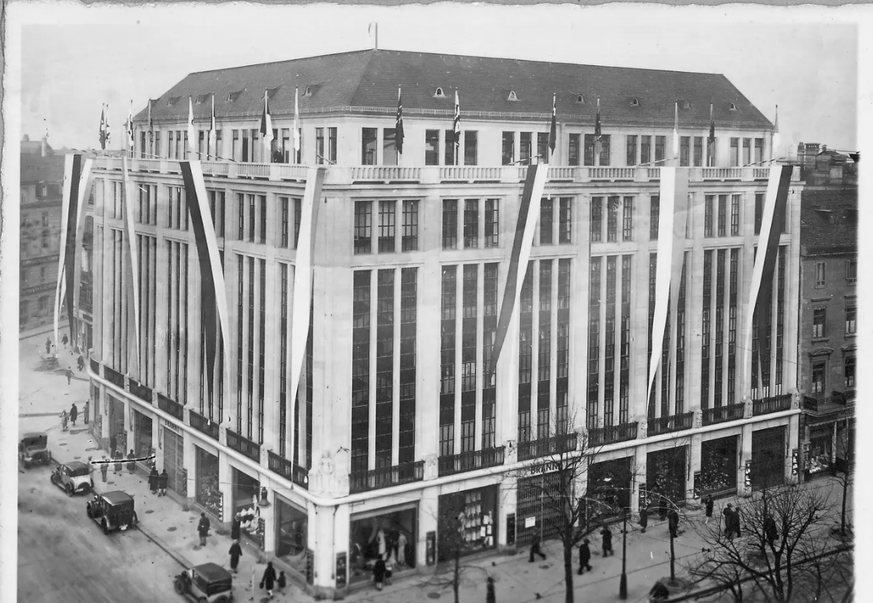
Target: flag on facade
x,y
296,133
711,150
525,226
456,126
129,124
151,122
670,257
76,179
192,142
598,145
398,125
212,132
267,129
553,130
774,143
761,290
301,303
130,265
676,130
213,299
104,128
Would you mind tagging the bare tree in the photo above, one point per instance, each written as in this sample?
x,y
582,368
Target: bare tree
x,y
842,472
784,528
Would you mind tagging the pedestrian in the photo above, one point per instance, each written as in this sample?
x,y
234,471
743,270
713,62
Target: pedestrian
x,y
770,531
104,468
85,412
644,518
728,521
112,445
281,582
153,480
74,413
48,346
117,467
584,556
64,420
269,579
709,504
131,463
234,527
64,340
235,553
490,595
535,549
203,529
163,478
736,521
69,374
673,523
606,537
81,363
389,569
379,572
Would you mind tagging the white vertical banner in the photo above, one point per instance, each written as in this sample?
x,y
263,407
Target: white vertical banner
x,y
60,288
131,259
303,274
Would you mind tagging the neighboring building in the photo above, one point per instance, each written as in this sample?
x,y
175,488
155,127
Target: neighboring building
x,y
394,417
42,180
828,315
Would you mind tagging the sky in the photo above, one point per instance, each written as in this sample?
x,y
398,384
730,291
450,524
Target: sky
x,y
73,59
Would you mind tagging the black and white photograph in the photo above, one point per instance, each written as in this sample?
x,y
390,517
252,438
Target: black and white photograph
x,y
448,302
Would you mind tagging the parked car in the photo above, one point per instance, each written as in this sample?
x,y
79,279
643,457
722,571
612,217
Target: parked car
x,y
73,477
206,583
112,511
33,449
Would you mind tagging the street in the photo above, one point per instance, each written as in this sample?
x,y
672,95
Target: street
x,y
64,556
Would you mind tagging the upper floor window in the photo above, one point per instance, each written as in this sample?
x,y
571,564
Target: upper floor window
x,y
574,149
410,226
698,151
759,150
631,147
820,280
368,146
325,150
508,148
818,378
596,220
747,151
542,146
819,318
685,151
471,147
852,270
590,148
660,148
386,226
363,226
627,229
759,211
471,223
450,224
849,371
525,147
565,221
431,147
851,325
492,222
735,152
390,156
654,217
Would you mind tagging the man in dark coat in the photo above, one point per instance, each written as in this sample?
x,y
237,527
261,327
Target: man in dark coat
x,y
644,518
770,531
117,456
606,537
379,572
490,595
112,445
535,549
709,504
153,480
673,523
74,413
269,579
203,528
234,527
131,464
104,468
735,516
163,478
69,375
48,346
728,521
85,412
235,553
584,557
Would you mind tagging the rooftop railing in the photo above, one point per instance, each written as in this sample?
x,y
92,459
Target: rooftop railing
x,y
287,469
385,477
670,423
554,445
720,414
772,404
612,434
470,461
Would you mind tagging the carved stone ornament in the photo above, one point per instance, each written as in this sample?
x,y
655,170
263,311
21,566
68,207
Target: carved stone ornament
x,y
326,463
431,469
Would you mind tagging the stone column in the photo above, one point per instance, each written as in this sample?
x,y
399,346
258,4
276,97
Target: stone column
x,y
428,520
225,486
190,463
507,504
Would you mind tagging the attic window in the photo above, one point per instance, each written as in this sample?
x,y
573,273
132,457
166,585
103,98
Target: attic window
x,y
684,104
202,98
307,91
231,97
438,93
580,99
733,107
635,102
271,92
173,100
512,96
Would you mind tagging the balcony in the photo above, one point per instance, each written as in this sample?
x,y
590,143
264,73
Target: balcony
x,y
720,414
554,445
722,173
670,423
282,466
171,407
113,376
386,477
203,425
765,406
612,174
140,391
243,445
385,173
470,461
95,367
612,434
836,402
469,173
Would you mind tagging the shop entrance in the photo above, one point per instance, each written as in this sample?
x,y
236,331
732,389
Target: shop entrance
x,y
476,511
206,480
142,438
537,515
768,458
117,434
174,462
718,467
291,535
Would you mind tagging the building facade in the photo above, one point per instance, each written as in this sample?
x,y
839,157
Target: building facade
x,y
828,316
398,414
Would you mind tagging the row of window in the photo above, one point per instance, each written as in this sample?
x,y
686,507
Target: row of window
x,y
820,371
821,273
820,321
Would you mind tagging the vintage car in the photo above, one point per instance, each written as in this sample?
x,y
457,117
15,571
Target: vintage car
x,y
206,583
73,477
112,510
33,449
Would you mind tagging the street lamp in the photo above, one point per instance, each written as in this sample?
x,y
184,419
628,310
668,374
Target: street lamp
x,y
622,586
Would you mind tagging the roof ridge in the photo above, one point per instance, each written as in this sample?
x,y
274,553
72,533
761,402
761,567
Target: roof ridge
x,y
313,56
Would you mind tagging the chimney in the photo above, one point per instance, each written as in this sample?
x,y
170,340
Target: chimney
x,y
373,30
44,144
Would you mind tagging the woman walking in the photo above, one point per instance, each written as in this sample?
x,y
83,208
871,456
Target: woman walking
x,y
709,504
235,553
269,579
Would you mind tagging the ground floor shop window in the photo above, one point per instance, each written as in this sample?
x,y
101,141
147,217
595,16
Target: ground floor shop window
x,y
609,483
820,449
768,458
390,533
291,534
208,493
245,503
142,437
665,477
117,433
718,466
476,511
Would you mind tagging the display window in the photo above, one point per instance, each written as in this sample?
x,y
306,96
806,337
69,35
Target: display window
x,y
245,503
208,494
292,524
476,511
389,534
718,466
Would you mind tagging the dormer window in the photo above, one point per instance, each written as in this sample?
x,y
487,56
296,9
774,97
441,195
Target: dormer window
x,y
733,107
438,93
580,99
271,92
512,96
684,105
200,99
173,100
635,102
307,91
231,97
